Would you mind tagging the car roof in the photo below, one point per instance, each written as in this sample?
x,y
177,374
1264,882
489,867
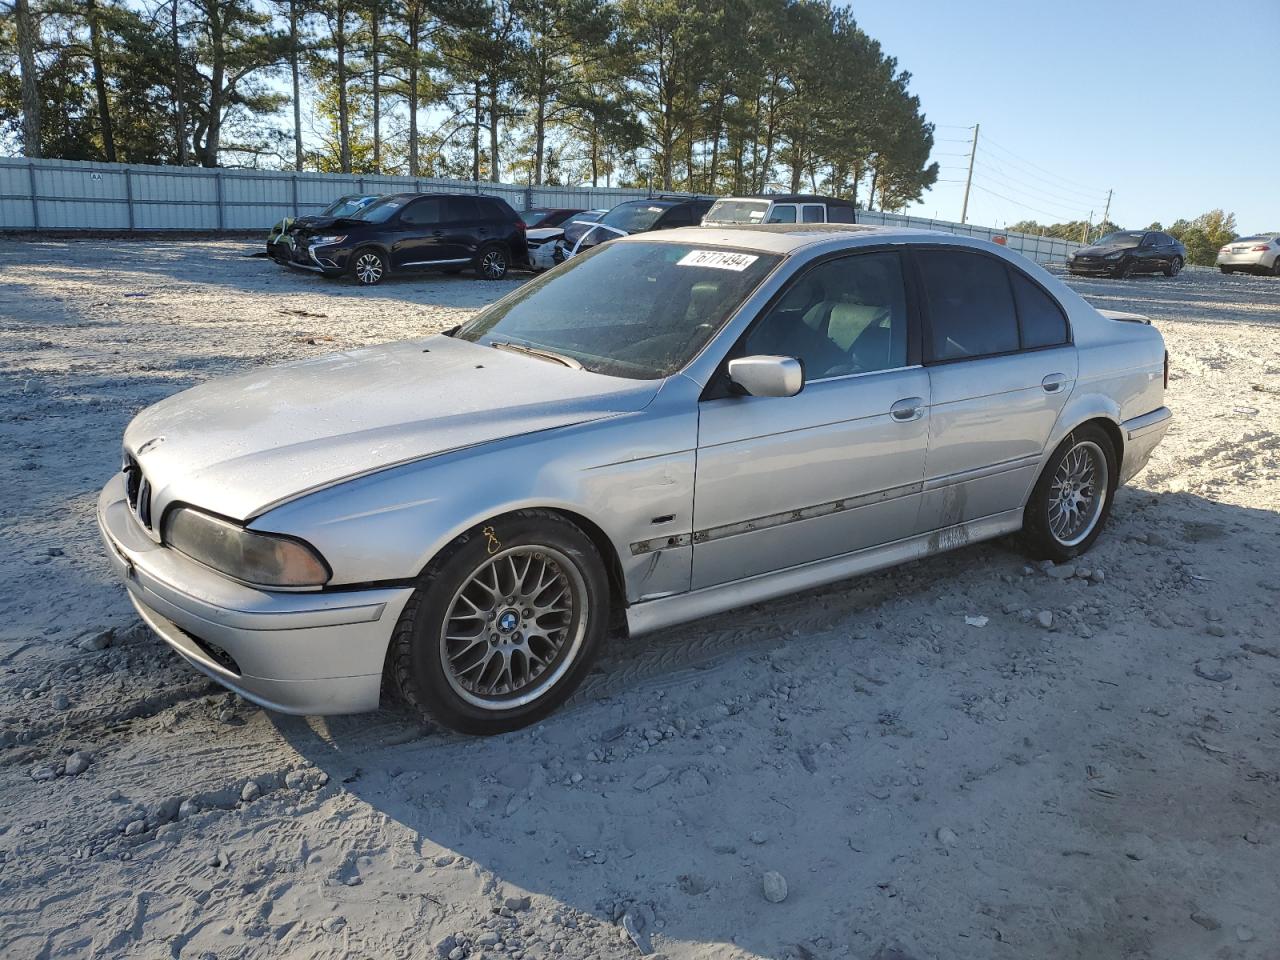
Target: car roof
x,y
787,238
793,198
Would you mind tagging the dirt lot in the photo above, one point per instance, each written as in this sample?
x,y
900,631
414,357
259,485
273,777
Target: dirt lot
x,y
1106,787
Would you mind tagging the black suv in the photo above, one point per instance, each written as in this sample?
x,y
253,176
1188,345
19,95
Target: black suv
x,y
638,216
417,231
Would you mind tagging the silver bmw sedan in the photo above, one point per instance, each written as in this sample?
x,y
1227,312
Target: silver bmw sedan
x,y
666,427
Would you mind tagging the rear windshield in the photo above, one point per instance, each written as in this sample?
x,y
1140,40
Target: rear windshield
x,y
1260,238
737,211
636,216
636,310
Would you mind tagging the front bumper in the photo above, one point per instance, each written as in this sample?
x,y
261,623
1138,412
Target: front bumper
x,y
303,653
1093,267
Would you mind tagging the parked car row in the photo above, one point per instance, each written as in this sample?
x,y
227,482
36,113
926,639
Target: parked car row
x,y
369,237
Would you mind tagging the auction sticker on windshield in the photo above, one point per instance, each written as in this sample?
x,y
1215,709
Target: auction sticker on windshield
x,y
718,259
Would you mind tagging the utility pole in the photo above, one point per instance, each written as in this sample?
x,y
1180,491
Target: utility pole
x,y
964,211
1108,207
1088,225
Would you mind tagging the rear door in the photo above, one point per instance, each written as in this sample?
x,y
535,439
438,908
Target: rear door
x,y
1001,366
462,229
837,468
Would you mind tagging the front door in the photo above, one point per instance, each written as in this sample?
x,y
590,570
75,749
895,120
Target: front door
x,y
782,481
1000,370
418,233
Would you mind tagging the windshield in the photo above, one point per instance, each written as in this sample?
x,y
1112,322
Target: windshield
x,y
634,217
1120,237
382,210
346,206
638,310
737,211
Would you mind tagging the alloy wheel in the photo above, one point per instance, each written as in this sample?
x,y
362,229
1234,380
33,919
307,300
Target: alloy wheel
x,y
493,265
1175,268
1078,493
369,268
514,627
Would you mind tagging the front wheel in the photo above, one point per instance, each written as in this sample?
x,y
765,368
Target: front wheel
x,y
1125,270
1072,498
503,625
1174,268
368,267
491,262
1227,270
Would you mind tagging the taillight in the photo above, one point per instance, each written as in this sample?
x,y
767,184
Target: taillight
x,y
1166,369
1261,248
521,226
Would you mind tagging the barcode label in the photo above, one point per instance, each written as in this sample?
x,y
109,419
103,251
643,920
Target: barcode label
x,y
717,259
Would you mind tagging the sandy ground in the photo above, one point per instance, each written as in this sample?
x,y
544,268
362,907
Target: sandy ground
x,y
1107,787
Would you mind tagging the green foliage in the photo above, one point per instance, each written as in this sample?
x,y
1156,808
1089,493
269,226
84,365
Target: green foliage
x,y
713,96
1204,235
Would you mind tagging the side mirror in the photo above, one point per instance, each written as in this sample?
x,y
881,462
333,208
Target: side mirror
x,y
768,376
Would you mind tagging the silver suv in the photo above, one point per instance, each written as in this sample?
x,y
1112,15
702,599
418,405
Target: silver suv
x,y
779,208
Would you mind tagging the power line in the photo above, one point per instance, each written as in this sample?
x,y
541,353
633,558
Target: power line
x,y
1019,159
1039,191
1061,217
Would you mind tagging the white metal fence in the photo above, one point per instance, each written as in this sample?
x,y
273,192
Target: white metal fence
x,y
80,195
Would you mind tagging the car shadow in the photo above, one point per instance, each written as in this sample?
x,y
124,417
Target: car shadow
x,y
831,736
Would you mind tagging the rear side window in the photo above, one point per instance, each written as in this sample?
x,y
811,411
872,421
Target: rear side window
x,y
460,209
971,309
680,216
492,209
1042,321
812,213
839,214
783,213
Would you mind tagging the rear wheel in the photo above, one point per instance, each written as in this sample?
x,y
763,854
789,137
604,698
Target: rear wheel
x,y
1072,498
491,262
368,267
1226,270
503,626
1174,268
1275,267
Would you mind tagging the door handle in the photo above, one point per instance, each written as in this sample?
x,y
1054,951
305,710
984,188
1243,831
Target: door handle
x,y
906,410
1053,382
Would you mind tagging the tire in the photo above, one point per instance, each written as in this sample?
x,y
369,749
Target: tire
x,y
1227,270
449,673
369,267
1125,270
1275,267
492,261
1174,268
1047,530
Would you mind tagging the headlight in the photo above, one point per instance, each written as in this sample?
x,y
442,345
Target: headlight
x,y
266,559
1114,256
337,238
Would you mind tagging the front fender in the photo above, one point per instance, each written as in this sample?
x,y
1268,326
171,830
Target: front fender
x,y
631,476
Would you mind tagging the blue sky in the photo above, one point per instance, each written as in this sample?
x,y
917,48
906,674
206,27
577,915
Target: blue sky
x,y
1175,105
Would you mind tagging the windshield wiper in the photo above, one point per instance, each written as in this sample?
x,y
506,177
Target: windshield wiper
x,y
537,352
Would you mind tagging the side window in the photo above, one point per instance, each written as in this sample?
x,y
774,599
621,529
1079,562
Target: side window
x,y
1041,320
971,312
842,317
679,216
839,214
460,209
813,213
422,212
782,213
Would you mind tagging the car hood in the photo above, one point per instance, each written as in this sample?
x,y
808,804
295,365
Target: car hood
x,y
242,445
544,233
1102,251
